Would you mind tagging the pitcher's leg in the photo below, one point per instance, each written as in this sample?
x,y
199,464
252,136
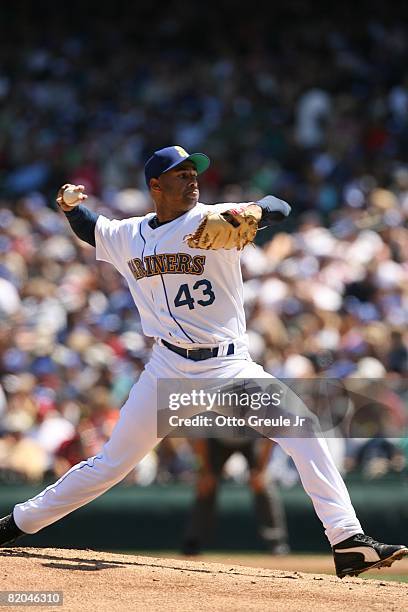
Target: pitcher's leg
x,y
134,435
318,472
323,483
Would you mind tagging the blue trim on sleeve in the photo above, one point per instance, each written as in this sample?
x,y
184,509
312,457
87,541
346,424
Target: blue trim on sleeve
x,y
83,222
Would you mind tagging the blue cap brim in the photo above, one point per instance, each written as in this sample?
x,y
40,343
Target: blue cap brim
x,y
200,161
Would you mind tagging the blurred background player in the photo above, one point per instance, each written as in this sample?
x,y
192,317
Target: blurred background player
x,y
212,455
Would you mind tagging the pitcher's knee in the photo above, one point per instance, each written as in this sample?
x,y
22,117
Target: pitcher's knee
x,y
102,470
112,471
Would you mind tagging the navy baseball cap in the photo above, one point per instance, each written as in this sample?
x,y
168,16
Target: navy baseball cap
x,y
165,159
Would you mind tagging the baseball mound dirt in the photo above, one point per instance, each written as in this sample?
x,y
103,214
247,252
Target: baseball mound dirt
x,y
103,581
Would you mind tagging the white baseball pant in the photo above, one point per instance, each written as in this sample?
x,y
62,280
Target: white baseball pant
x,y
135,434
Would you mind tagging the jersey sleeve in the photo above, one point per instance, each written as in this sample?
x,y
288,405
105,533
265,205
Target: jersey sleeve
x,y
113,239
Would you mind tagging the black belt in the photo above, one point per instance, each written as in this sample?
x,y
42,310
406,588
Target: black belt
x,y
198,354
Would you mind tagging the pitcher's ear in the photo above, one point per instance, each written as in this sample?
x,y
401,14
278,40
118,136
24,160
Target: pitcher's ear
x,y
155,184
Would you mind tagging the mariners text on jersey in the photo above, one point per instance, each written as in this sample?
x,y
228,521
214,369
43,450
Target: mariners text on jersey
x,y
167,263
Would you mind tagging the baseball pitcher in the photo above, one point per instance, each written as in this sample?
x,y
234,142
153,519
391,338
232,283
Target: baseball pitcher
x,y
182,266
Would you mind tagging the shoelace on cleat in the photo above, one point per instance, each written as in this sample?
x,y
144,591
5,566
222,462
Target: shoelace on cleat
x,y
366,539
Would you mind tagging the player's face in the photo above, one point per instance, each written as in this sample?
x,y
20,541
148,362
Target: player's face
x,y
179,187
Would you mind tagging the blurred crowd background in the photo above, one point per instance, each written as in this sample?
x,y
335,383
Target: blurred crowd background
x,y
307,105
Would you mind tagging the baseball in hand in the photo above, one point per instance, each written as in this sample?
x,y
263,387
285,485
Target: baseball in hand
x,y
72,196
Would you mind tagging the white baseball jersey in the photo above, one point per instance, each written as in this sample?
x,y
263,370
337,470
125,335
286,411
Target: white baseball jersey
x,y
185,296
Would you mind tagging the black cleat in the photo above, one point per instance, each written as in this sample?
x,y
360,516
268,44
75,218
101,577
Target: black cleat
x,y
9,532
361,553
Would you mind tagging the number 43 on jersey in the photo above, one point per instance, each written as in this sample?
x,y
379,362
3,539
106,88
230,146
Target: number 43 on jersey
x,y
201,288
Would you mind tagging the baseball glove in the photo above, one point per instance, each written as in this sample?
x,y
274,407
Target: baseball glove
x,y
234,228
